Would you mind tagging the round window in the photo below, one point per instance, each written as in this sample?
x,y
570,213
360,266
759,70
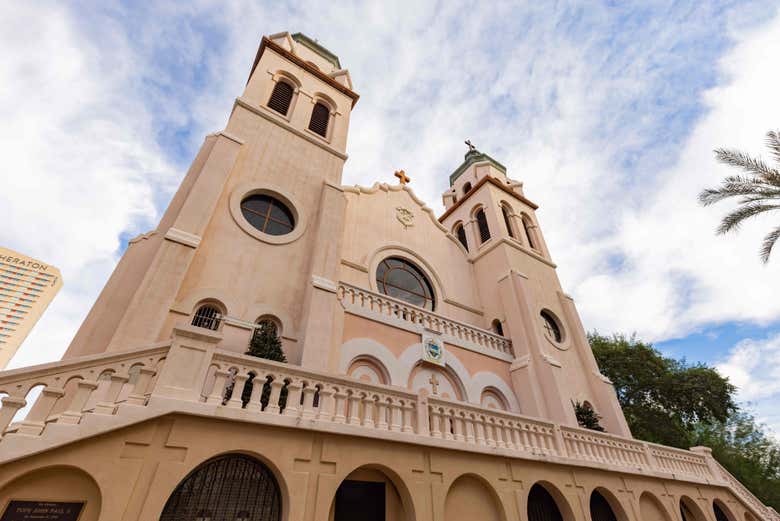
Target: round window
x,y
268,214
551,327
403,280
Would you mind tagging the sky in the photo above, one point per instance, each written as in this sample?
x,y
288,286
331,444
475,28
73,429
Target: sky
x,y
608,112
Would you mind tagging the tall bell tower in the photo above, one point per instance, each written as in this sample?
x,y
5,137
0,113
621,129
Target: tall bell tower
x,y
497,225
255,223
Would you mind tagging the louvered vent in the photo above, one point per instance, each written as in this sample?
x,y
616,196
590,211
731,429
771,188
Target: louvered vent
x,y
461,233
281,98
319,119
484,231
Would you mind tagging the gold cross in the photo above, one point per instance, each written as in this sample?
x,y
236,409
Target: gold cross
x,y
402,177
434,384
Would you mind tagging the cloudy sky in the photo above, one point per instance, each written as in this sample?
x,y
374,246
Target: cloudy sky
x,y
607,111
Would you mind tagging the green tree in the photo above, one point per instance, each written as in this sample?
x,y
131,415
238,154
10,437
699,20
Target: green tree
x,y
758,190
587,417
743,447
663,399
266,344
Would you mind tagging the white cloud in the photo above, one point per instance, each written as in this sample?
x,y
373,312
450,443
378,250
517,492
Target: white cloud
x,y
754,367
80,164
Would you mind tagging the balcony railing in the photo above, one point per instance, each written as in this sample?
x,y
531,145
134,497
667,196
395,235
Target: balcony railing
x,y
133,386
398,313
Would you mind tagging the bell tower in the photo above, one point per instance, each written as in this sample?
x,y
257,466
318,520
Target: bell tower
x,y
255,221
522,297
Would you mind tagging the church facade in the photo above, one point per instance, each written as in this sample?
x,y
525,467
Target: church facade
x,y
431,363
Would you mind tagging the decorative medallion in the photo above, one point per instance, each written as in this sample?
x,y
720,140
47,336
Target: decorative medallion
x,y
404,216
433,349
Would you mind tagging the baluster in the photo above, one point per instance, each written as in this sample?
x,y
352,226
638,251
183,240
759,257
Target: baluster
x,y
517,436
217,395
339,398
35,421
508,441
74,411
11,404
293,405
447,426
325,412
381,413
435,423
368,412
308,401
276,392
470,434
106,404
354,406
396,416
239,381
138,394
524,439
458,427
480,428
255,397
490,435
408,409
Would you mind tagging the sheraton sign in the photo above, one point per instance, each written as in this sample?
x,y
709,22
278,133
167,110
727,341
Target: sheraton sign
x,y
23,263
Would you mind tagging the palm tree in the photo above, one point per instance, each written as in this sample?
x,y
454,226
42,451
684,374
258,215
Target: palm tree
x,y
758,191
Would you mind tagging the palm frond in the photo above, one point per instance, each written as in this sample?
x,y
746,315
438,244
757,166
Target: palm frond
x,y
735,218
753,192
751,165
768,244
773,142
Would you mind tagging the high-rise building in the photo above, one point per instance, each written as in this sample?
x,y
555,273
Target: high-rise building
x,y
432,363
27,286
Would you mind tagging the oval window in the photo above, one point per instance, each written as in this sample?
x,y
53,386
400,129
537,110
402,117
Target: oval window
x,y
551,326
267,214
403,280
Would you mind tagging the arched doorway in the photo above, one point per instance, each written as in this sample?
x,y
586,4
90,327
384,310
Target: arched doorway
x,y
232,486
689,511
720,512
600,509
469,498
651,509
542,506
371,494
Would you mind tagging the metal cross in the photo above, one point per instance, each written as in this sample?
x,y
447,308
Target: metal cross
x,y
472,148
402,177
434,384
549,329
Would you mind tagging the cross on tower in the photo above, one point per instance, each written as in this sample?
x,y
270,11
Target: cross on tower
x,y
402,177
434,384
472,148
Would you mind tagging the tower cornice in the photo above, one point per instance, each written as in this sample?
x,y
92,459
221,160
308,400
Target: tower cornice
x,y
494,182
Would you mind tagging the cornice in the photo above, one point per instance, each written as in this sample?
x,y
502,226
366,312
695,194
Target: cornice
x,y
495,182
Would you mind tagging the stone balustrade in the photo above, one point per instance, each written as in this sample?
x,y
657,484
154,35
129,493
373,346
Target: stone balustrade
x,y
79,391
400,314
71,388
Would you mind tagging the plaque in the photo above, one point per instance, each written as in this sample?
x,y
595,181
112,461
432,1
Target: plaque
x,y
433,349
42,510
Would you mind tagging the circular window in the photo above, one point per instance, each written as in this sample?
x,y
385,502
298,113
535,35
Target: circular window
x,y
552,328
267,214
403,280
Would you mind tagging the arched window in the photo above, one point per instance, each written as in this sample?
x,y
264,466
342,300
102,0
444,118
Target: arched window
x,y
233,486
551,326
403,280
482,224
207,316
529,232
281,97
497,327
320,116
720,515
542,506
267,214
466,188
460,233
266,325
600,510
507,221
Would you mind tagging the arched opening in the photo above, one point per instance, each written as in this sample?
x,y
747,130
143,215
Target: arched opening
x,y
530,234
320,117
506,212
231,486
721,511
437,381
600,509
401,279
651,509
497,327
369,369
466,188
492,398
460,233
208,315
370,494
281,97
469,498
690,511
482,225
542,506
71,486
